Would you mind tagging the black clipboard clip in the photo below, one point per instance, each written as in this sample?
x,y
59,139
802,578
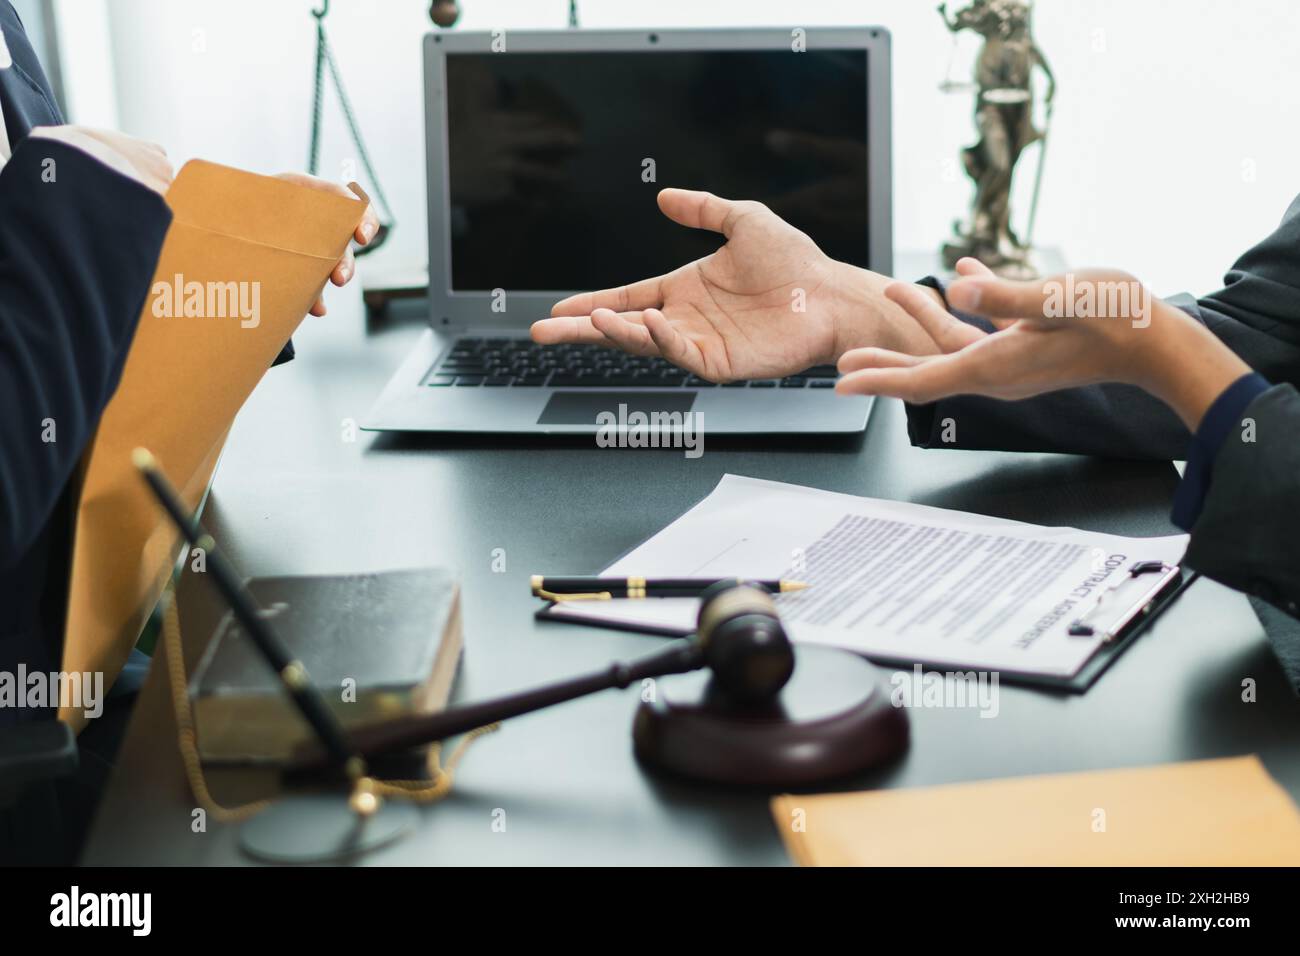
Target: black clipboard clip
x,y
1149,581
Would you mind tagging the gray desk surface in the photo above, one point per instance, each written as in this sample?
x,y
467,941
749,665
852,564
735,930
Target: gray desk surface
x,y
293,495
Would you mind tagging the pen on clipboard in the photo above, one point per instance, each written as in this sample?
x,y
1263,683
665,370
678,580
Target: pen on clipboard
x,y
554,588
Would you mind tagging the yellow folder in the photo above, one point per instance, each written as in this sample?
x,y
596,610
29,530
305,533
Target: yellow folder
x,y
1227,812
243,261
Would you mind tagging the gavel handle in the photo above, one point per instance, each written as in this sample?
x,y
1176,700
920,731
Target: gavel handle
x,y
403,733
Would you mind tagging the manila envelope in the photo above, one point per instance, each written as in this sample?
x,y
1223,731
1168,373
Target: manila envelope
x,y
1226,812
243,261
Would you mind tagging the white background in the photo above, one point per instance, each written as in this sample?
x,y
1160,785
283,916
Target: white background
x,y
1175,144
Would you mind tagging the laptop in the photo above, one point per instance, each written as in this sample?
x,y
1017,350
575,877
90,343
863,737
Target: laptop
x,y
545,151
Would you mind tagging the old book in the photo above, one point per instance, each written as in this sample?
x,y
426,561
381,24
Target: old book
x,y
376,646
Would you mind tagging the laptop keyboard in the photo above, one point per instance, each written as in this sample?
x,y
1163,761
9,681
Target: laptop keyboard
x,y
522,363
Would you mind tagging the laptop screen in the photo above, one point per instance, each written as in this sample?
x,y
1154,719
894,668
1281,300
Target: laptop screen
x,y
555,158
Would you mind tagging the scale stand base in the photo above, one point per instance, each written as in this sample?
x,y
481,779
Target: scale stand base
x,y
832,720
321,828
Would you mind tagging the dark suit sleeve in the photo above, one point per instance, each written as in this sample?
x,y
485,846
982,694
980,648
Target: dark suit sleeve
x,y
1248,532
78,247
1256,314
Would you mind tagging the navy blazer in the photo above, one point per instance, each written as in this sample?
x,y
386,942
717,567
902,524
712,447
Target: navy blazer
x,y
78,246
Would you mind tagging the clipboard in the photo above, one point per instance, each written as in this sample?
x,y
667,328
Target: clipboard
x,y
1122,613
987,600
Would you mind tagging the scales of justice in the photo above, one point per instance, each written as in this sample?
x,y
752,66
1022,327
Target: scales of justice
x,y
1004,117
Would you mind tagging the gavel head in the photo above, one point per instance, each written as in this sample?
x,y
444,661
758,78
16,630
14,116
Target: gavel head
x,y
743,642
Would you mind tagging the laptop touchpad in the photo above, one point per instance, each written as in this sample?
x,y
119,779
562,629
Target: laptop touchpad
x,y
583,408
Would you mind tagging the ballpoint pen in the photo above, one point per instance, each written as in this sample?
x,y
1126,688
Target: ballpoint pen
x,y
554,588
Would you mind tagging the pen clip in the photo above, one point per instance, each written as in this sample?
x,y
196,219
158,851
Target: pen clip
x,y
552,596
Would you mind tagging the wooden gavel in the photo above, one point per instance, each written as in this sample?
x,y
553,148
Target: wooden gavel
x,y
739,638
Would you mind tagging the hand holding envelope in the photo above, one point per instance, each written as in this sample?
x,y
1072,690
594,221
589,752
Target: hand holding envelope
x,y
366,230
244,261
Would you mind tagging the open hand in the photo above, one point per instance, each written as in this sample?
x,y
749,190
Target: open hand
x,y
734,314
1093,326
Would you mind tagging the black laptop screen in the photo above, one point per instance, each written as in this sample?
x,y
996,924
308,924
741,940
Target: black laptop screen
x,y
556,158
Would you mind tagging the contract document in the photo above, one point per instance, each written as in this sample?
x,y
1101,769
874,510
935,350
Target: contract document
x,y
891,580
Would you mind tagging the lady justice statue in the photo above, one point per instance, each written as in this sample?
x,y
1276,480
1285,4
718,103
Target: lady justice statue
x,y
1004,107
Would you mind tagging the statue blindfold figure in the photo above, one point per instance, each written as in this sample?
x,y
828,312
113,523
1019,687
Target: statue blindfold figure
x,y
1004,101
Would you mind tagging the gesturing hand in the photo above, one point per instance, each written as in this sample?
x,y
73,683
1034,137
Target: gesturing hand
x,y
733,314
1094,326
